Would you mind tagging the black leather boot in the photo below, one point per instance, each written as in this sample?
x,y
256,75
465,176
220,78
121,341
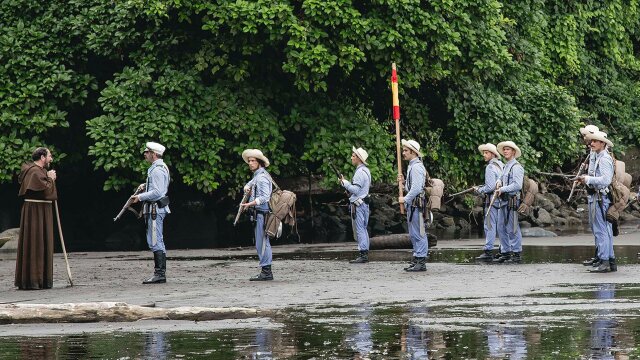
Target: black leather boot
x,y
612,265
593,260
504,258
362,258
420,265
602,268
516,258
160,267
264,275
487,255
412,262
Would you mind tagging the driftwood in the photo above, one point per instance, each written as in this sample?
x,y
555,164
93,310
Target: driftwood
x,y
116,312
397,241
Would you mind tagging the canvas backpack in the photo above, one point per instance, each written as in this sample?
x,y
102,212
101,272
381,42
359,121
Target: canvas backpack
x,y
283,210
619,193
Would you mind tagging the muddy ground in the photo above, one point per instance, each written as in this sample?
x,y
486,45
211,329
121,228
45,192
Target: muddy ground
x,y
219,277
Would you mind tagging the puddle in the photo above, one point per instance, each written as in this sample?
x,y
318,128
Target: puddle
x,y
364,332
531,255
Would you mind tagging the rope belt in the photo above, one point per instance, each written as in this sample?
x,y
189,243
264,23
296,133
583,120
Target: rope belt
x,y
38,201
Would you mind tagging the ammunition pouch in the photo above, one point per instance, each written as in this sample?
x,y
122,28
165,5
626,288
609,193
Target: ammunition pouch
x,y
163,201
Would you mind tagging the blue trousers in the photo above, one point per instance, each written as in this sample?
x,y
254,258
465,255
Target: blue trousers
x,y
159,238
491,231
510,240
261,238
418,241
601,228
360,226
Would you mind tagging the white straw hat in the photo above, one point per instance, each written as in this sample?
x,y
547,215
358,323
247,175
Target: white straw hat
x,y
601,136
589,129
490,148
254,153
155,147
361,154
510,144
412,145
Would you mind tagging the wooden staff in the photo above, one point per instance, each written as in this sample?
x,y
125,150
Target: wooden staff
x,y
396,117
64,250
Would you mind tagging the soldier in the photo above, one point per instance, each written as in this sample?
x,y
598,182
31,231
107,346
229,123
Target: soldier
x,y
155,207
260,188
414,202
359,202
597,181
492,173
508,193
589,129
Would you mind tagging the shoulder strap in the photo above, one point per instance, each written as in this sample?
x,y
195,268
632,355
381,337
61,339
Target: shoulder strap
x,y
272,182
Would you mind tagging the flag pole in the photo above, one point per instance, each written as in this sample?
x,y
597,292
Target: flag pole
x,y
396,118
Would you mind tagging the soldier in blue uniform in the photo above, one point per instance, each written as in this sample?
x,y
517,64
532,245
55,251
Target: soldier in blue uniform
x,y
589,129
508,192
415,203
260,187
492,173
358,189
155,208
597,181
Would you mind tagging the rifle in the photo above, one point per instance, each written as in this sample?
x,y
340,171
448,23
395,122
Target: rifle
x,y
555,174
575,181
471,189
128,204
335,169
487,214
240,208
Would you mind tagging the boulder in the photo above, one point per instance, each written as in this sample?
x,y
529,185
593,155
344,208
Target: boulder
x,y
9,240
542,216
544,203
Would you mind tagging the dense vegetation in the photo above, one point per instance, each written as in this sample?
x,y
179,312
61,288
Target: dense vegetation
x,y
305,80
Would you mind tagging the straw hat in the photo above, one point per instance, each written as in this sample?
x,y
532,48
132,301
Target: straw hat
x,y
254,153
155,147
510,144
490,148
600,136
589,129
361,154
412,145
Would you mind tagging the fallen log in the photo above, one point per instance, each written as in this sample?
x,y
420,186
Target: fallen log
x,y
116,312
397,241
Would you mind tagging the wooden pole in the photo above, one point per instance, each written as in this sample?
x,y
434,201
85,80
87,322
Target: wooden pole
x,y
396,117
64,250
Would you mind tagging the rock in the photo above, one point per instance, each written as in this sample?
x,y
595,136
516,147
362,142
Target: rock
x,y
555,199
464,224
544,203
542,216
573,220
448,221
9,240
524,224
627,217
537,232
558,221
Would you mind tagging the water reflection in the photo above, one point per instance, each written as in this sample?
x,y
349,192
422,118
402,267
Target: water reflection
x,y
364,332
506,342
603,326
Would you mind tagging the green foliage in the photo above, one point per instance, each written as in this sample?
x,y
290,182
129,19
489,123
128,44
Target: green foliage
x,y
306,80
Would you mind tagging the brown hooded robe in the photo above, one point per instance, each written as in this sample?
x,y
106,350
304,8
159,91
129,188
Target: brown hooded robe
x,y
34,264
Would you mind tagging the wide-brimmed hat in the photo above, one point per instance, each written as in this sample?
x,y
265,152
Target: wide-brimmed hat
x,y
361,154
589,129
254,153
510,144
412,145
490,148
155,147
601,136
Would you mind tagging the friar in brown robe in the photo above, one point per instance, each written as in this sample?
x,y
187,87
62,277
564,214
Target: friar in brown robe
x,y
34,264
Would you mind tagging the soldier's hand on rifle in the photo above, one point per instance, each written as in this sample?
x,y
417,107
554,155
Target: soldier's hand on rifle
x,y
134,199
401,199
581,179
248,204
475,189
400,179
140,188
247,189
52,174
341,179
